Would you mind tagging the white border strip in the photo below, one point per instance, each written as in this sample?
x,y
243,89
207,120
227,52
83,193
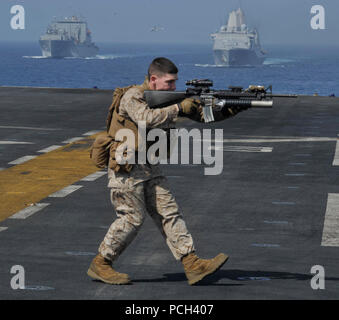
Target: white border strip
x,y
331,224
336,156
3,228
273,140
73,140
49,149
25,213
29,128
94,176
15,142
22,160
242,149
65,191
90,133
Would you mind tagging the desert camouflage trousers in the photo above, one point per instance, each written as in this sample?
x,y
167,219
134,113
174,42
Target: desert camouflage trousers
x,y
132,202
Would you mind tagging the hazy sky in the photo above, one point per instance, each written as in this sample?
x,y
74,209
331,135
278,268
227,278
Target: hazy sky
x,y
184,21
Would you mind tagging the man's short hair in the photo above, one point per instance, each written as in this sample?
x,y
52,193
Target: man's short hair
x,y
161,66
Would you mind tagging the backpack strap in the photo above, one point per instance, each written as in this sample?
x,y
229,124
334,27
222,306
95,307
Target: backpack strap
x,y
117,95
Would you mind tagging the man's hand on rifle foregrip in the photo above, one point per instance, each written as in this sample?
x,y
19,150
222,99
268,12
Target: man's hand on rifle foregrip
x,y
189,107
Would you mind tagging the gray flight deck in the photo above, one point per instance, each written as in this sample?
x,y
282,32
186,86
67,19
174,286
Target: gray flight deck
x,y
266,210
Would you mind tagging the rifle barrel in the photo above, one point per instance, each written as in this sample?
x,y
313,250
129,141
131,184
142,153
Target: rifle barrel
x,y
247,103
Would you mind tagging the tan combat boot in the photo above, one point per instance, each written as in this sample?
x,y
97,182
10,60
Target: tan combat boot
x,y
196,269
101,269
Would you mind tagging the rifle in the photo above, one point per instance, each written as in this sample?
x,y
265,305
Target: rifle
x,y
254,96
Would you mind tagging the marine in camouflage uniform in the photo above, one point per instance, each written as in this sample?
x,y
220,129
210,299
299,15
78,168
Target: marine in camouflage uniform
x,y
144,190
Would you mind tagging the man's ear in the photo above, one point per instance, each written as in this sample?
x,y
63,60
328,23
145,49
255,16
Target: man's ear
x,y
153,78
152,81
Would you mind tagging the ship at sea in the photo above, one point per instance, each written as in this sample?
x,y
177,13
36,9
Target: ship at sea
x,y
69,37
237,45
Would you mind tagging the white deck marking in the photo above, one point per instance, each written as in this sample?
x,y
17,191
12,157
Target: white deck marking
x,y
29,128
90,133
80,253
15,142
274,140
331,224
282,203
73,140
265,245
3,228
242,149
48,149
37,288
94,176
22,160
275,222
336,156
25,213
65,191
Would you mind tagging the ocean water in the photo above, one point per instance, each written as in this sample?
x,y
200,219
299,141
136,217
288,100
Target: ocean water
x,y
300,70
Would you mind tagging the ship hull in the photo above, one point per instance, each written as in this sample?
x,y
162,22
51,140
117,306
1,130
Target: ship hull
x,y
237,57
67,48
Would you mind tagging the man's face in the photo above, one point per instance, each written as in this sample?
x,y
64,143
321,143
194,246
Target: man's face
x,y
164,82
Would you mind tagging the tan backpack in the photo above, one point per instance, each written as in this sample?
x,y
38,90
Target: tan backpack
x,y
100,149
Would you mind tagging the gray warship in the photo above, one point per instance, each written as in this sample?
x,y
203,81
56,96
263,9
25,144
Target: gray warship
x,y
69,37
235,44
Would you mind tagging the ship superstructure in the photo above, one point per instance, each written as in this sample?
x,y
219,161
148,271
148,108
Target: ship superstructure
x,y
69,37
235,44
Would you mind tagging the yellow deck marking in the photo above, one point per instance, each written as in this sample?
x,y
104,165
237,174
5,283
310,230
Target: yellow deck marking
x,y
14,192
36,179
